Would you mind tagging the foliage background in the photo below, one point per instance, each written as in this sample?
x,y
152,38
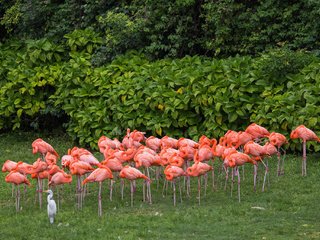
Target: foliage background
x,y
178,68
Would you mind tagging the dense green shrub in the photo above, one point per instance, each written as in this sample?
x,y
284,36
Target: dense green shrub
x,y
178,97
187,97
28,74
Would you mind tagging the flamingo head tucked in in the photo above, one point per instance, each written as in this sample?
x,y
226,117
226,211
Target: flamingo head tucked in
x,y
294,134
229,163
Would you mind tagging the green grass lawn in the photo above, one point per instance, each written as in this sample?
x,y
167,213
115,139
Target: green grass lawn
x,y
288,209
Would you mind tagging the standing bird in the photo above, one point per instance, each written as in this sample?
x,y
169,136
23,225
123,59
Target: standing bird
x,y
106,143
80,168
8,166
17,178
59,177
154,143
204,154
43,147
37,167
99,175
258,152
234,160
173,172
197,170
306,135
132,174
277,140
115,165
52,207
256,131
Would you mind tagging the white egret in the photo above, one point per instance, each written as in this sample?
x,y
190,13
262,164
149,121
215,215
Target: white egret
x,y
52,207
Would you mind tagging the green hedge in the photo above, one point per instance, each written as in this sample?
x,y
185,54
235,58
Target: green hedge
x,y
187,97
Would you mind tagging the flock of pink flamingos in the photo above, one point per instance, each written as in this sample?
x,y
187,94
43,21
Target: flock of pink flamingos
x,y
178,157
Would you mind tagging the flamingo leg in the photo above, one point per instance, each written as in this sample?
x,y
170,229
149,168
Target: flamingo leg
x,y
304,158
24,191
131,193
279,162
268,176
199,188
205,177
58,198
122,188
17,201
255,170
78,191
85,188
36,193
12,190
40,192
19,198
164,187
227,176
60,194
238,183
180,189
144,188
144,191
174,192
149,197
265,175
157,176
188,180
232,180
282,165
99,200
212,175
111,188
243,171
82,191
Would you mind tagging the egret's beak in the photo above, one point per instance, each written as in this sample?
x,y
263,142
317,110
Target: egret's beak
x,y
45,191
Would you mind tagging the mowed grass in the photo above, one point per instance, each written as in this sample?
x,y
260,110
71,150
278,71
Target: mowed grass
x,y
288,209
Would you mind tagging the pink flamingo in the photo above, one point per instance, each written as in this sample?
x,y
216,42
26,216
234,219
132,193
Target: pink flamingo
x,y
115,165
197,170
17,178
43,147
257,131
306,135
132,174
277,140
58,177
173,172
8,166
147,159
154,143
257,151
234,160
80,168
99,175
